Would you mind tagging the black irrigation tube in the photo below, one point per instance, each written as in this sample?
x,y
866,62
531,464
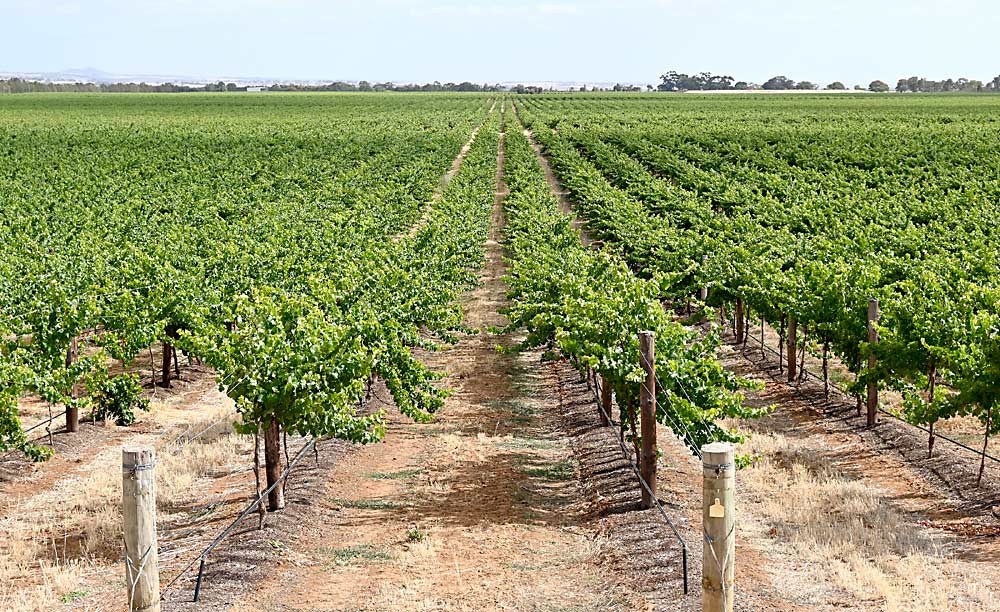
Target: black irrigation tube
x,y
45,422
645,485
228,530
926,430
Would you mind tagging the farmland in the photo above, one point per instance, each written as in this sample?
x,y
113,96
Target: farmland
x,y
441,292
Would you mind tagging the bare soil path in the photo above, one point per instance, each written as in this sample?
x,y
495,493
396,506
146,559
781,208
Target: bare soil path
x,y
479,511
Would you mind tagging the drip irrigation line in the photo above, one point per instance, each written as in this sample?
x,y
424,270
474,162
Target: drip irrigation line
x,y
201,558
645,485
45,422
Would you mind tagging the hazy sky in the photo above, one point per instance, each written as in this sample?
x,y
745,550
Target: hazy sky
x,y
422,40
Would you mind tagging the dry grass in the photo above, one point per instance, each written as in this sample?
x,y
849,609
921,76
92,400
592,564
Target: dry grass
x,y
848,532
55,538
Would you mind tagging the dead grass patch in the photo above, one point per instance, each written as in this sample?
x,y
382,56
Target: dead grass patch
x,y
868,546
55,539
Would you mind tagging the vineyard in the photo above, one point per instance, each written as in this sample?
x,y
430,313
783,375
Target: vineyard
x,y
387,348
800,214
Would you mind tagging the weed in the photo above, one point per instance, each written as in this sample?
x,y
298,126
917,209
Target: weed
x,y
400,475
73,596
416,535
360,553
368,504
563,470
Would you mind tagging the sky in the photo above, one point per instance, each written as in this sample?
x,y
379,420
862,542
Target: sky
x,y
854,41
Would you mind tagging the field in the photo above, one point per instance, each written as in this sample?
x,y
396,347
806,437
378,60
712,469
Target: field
x,y
440,291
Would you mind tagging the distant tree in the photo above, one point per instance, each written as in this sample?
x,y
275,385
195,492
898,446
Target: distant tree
x,y
859,88
805,85
902,85
835,86
703,81
364,86
878,86
779,82
742,85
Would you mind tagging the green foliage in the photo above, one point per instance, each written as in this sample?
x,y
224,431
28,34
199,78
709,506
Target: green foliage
x,y
116,398
415,534
589,306
808,207
72,596
265,236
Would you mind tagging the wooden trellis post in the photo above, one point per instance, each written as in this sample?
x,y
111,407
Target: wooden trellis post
x,y
647,415
142,574
72,410
740,327
718,584
605,402
873,316
792,347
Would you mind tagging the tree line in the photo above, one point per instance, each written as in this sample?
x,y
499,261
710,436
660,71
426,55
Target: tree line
x,y
920,84
706,81
17,85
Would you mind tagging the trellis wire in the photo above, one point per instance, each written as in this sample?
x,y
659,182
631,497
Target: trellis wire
x,y
808,373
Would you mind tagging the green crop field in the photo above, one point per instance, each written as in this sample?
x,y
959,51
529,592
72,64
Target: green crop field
x,y
255,232
138,219
565,270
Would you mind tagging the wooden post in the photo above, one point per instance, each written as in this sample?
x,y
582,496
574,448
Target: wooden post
x,y
272,465
873,316
931,376
72,410
605,402
719,521
647,424
740,329
762,345
142,573
165,365
792,346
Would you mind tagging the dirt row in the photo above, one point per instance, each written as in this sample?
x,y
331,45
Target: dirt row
x,y
481,510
